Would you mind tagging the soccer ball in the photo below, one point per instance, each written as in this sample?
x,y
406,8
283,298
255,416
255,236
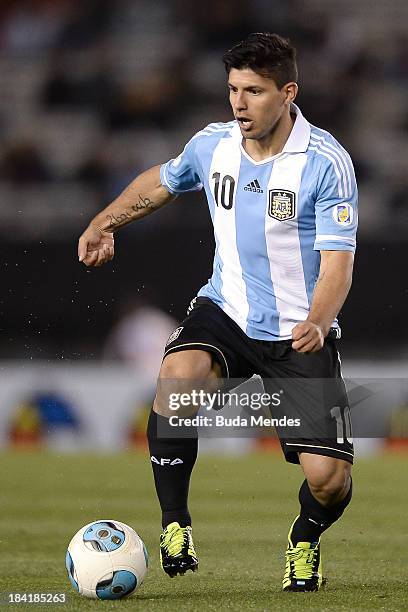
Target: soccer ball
x,y
106,560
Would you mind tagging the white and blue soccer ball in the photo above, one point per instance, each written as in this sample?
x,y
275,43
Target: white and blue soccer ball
x,y
106,560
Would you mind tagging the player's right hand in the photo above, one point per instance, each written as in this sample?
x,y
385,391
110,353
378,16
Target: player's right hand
x,y
95,246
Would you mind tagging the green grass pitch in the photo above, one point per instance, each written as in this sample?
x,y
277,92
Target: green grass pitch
x,y
242,508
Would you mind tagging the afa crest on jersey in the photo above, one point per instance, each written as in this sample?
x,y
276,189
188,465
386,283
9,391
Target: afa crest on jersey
x,y
282,204
343,214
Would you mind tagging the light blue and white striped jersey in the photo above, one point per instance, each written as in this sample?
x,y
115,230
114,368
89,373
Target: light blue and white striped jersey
x,y
271,219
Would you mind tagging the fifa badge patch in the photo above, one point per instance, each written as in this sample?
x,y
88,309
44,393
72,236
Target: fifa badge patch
x,y
343,214
173,336
282,204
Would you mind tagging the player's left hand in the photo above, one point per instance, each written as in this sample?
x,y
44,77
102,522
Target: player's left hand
x,y
307,337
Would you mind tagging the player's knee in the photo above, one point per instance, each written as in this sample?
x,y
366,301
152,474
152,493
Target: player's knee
x,y
181,373
329,486
188,365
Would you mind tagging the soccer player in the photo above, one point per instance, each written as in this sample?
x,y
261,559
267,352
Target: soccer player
x,y
283,201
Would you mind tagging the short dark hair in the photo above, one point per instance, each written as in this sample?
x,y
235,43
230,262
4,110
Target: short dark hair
x,y
268,54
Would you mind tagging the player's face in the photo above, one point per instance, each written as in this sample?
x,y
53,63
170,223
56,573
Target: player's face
x,y
257,103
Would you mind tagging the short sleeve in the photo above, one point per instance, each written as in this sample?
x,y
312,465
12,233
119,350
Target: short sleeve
x,y
182,173
336,204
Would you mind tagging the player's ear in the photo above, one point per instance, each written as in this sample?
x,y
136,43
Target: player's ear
x,y
290,91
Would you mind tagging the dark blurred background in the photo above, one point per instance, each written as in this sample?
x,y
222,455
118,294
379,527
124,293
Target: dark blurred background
x,y
94,92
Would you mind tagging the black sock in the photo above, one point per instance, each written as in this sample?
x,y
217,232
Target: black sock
x,y
172,460
315,518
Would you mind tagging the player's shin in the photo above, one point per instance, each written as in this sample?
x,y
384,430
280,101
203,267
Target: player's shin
x,y
315,518
172,461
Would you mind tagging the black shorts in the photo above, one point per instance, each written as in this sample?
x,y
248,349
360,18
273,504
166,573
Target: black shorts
x,y
207,327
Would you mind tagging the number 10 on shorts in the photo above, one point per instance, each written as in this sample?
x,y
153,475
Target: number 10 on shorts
x,y
343,424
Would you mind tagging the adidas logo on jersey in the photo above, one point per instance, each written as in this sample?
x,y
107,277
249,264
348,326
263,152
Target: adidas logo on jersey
x,y
253,186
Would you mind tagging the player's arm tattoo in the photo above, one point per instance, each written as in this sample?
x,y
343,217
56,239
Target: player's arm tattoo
x,y
144,204
321,277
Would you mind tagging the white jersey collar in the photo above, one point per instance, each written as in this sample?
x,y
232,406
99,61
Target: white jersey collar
x,y
299,137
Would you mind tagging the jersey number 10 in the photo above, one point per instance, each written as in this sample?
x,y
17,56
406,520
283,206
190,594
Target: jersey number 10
x,y
226,197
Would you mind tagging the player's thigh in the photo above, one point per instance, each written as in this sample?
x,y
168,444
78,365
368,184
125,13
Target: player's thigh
x,y
190,364
181,373
325,474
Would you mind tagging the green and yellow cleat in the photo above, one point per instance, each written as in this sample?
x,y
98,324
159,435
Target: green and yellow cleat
x,y
303,570
177,554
